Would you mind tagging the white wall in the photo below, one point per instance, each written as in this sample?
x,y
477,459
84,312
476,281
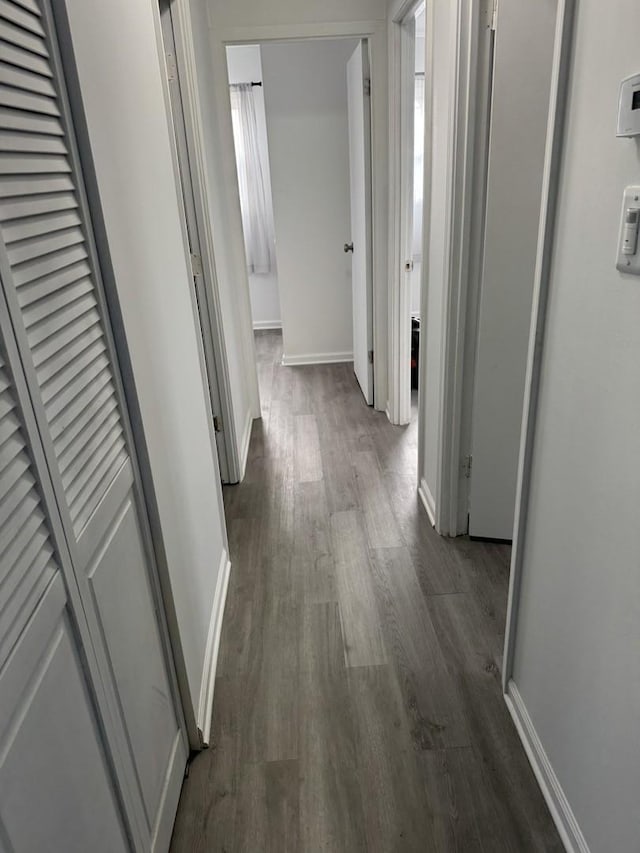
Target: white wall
x,y
305,87
577,652
131,146
244,65
256,13
225,216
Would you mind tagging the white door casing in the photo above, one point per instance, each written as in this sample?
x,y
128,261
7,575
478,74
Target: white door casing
x,y
358,88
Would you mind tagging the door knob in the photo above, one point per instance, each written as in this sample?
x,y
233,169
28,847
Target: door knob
x,y
348,247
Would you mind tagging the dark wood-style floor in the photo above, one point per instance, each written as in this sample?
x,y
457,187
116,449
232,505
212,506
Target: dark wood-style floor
x,y
358,704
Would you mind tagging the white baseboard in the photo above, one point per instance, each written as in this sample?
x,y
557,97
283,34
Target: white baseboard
x,y
428,501
205,704
266,324
316,358
561,812
244,447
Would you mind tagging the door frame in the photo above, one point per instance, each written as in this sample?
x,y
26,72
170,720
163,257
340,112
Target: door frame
x,y
375,33
401,39
364,75
205,292
546,238
467,127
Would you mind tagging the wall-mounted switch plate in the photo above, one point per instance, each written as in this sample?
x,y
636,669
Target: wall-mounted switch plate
x,y
629,107
628,243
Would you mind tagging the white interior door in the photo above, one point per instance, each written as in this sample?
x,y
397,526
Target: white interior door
x,y
51,282
520,107
358,86
206,322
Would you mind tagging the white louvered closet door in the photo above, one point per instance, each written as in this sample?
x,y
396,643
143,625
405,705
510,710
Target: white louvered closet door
x,y
49,270
51,754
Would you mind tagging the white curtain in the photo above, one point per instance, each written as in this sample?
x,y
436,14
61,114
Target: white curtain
x,y
418,166
257,219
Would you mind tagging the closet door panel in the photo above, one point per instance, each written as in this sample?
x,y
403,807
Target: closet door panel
x,y
143,686
54,783
49,268
52,759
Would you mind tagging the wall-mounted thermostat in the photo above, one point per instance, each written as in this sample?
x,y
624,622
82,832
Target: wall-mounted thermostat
x,y
629,107
628,244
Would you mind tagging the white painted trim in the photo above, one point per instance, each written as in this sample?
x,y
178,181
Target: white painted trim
x,y
426,231
375,31
427,501
458,222
401,40
316,358
282,32
207,684
546,234
246,441
552,791
259,325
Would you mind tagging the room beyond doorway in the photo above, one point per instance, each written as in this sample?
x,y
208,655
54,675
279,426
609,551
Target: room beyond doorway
x,y
294,143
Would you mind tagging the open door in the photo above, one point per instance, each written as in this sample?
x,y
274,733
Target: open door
x,y
358,87
525,36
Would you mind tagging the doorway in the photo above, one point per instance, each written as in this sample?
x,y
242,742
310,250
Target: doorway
x,y
413,62
300,122
483,174
523,52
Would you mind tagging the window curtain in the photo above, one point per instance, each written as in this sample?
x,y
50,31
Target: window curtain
x,y
418,166
257,220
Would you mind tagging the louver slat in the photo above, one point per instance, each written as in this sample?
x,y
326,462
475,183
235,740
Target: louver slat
x,y
35,205
16,13
29,123
28,81
36,226
29,143
29,5
24,59
20,100
44,236
26,555
22,38
44,244
35,290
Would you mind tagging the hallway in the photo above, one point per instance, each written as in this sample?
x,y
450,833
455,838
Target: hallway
x,y
358,703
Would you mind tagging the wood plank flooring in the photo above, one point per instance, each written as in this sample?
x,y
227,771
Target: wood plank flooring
x,y
358,704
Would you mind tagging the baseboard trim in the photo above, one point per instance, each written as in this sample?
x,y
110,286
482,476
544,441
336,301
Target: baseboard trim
x,y
244,449
259,325
428,501
556,800
207,685
316,358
